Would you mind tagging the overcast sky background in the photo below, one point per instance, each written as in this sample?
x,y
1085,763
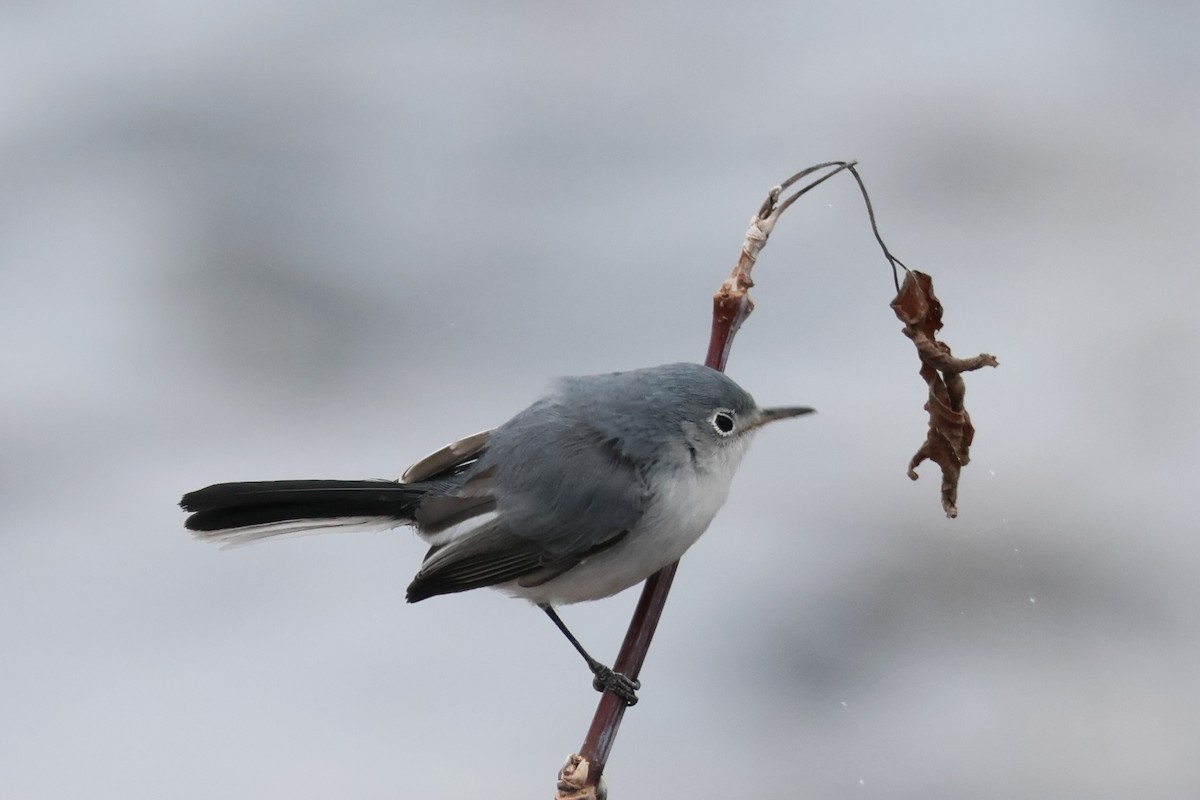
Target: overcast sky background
x,y
280,240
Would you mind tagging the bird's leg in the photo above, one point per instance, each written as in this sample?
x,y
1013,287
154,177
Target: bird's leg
x,y
622,686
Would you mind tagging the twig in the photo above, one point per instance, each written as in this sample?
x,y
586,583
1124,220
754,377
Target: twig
x,y
580,778
895,262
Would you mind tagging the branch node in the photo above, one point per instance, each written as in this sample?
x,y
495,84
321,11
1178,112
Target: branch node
x,y
573,781
769,205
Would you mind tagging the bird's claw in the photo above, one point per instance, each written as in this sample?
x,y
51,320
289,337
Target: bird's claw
x,y
621,685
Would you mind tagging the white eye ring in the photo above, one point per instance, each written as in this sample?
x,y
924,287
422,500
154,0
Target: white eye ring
x,y
723,421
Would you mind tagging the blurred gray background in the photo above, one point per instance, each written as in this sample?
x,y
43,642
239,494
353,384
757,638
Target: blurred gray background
x,y
277,240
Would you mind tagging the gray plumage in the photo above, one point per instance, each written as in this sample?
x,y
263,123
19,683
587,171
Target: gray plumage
x,y
588,491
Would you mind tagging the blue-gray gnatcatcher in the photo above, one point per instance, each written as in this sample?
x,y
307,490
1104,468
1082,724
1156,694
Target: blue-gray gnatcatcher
x,y
590,490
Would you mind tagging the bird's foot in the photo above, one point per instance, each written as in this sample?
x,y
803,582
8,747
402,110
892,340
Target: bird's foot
x,y
622,686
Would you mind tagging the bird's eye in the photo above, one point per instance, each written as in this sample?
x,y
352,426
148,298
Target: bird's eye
x,y
722,422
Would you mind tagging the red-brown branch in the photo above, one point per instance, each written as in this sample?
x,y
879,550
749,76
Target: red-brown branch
x,y
579,778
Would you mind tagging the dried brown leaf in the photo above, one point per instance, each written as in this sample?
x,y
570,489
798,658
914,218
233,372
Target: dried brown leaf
x,y
948,442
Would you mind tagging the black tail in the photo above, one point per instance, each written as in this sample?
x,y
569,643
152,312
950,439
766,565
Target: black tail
x,y
228,506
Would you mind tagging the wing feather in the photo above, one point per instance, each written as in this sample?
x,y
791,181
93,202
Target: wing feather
x,y
449,460
490,556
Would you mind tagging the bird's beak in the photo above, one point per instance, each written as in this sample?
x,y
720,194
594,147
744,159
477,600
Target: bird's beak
x,y
766,415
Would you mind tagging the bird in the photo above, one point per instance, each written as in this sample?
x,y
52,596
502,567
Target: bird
x,y
590,490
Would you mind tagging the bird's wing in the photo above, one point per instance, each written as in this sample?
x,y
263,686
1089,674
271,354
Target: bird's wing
x,y
563,484
563,493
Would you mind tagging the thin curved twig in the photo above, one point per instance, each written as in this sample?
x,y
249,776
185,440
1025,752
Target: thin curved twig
x,y
580,777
